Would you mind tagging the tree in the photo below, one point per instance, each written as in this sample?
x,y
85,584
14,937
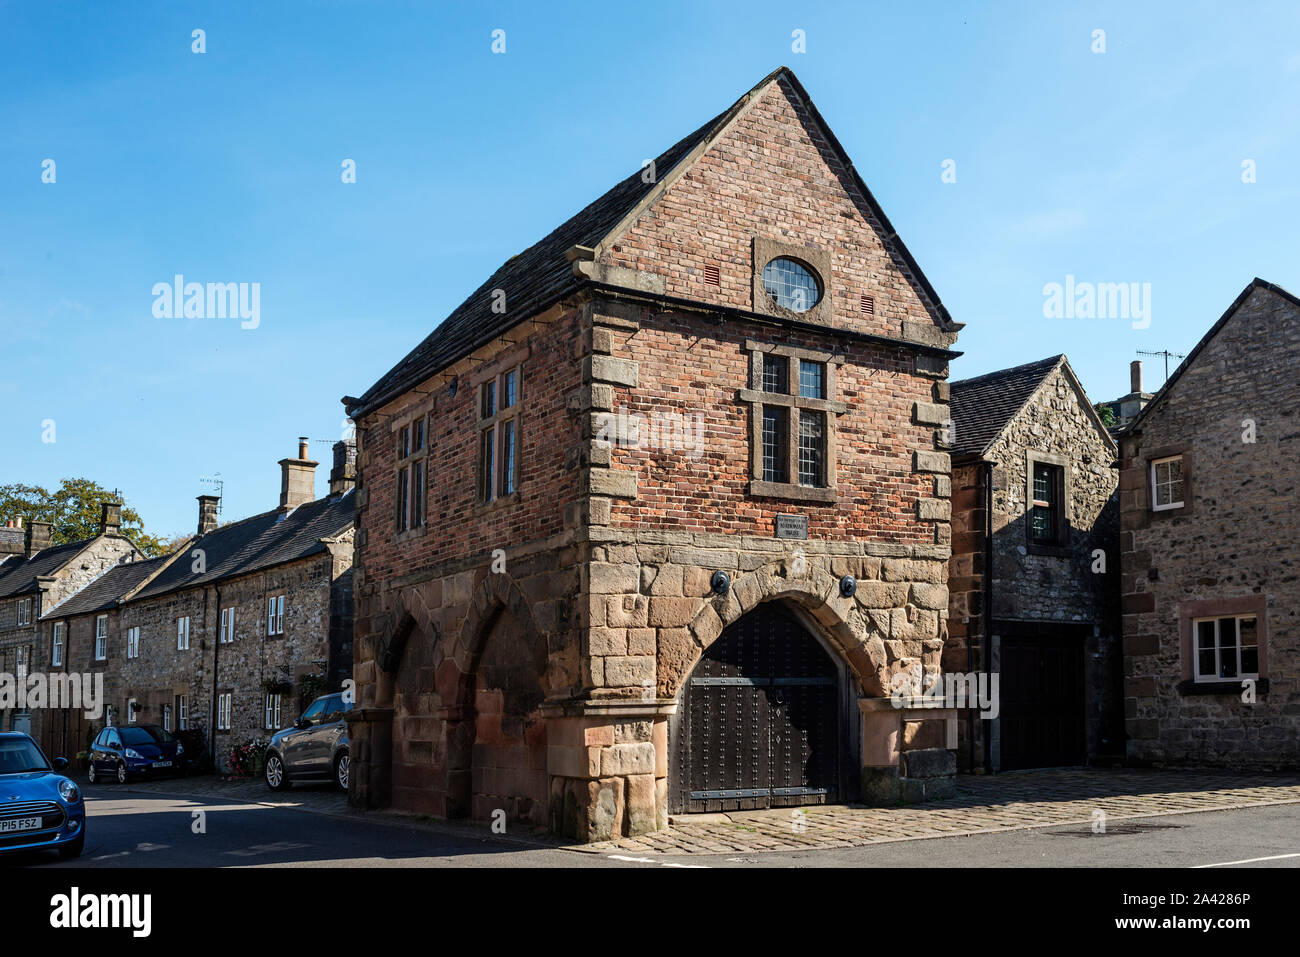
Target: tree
x,y
73,510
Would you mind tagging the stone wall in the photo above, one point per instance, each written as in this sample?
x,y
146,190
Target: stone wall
x,y
1231,546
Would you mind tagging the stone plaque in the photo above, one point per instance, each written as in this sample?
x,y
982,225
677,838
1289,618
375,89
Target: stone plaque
x,y
792,526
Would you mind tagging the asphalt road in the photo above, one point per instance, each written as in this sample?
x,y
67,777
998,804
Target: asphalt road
x,y
154,830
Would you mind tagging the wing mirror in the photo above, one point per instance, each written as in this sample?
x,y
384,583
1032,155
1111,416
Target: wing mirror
x,y
60,763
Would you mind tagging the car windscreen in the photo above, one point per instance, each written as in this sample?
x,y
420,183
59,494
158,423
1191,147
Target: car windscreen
x,y
144,735
18,755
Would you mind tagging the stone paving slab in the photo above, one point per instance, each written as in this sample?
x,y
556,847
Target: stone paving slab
x,y
983,804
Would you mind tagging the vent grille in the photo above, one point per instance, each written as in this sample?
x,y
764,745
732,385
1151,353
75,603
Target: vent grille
x,y
869,305
711,275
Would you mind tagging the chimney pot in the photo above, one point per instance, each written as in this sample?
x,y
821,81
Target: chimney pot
x,y
297,479
1135,375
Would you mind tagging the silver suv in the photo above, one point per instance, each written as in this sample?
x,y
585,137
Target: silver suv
x,y
314,749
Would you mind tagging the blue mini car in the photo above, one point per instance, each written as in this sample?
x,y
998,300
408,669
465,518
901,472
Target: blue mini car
x,y
39,807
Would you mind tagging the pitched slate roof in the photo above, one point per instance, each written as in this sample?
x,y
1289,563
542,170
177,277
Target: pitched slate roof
x,y
541,275
106,590
19,576
982,407
252,544
1183,366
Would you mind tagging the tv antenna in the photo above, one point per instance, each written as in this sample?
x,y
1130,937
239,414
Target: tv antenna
x,y
219,485
1163,352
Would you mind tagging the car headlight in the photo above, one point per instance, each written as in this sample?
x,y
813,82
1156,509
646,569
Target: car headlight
x,y
68,791
180,749
133,753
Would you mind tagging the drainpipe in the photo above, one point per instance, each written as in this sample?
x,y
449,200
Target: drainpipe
x,y
216,653
988,601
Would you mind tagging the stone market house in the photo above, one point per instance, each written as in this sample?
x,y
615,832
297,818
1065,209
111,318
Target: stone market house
x,y
1211,571
231,629
588,625
34,576
1029,450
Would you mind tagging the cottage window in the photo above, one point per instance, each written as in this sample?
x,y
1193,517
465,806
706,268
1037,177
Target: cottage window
x,y
101,638
224,703
1167,483
183,633
272,712
24,612
498,443
167,717
275,615
792,421
56,646
182,712
132,709
791,284
133,642
1045,508
227,625
1227,648
412,456
23,654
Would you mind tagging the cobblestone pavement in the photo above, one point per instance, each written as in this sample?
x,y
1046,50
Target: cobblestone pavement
x,y
982,805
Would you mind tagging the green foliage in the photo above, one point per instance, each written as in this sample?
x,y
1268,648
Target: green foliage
x,y
73,510
1106,414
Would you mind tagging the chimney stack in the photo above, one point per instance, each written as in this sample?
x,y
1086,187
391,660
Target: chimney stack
x,y
343,475
1135,376
11,538
207,513
297,478
110,518
38,537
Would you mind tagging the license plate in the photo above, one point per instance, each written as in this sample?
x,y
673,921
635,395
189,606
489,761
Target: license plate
x,y
20,824
162,764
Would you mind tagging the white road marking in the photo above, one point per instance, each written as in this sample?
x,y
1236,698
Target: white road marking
x,y
651,860
1249,860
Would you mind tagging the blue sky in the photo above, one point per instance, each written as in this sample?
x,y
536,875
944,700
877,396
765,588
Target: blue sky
x,y
1123,166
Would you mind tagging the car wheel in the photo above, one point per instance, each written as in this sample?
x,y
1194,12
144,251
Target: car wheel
x,y
73,848
90,773
121,772
276,777
342,765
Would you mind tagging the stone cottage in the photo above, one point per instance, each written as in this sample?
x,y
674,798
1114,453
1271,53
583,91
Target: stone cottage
x,y
35,575
231,630
1211,569
1035,568
649,522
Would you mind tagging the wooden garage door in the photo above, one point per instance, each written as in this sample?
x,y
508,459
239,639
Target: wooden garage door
x,y
760,721
1042,701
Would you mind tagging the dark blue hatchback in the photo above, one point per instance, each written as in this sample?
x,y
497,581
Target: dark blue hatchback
x,y
134,749
39,807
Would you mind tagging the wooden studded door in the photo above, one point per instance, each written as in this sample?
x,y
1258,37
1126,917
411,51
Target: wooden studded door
x,y
1042,691
760,720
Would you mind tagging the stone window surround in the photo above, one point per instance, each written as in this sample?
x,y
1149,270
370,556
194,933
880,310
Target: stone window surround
x,y
1189,611
492,372
1151,456
1062,547
817,260
101,637
403,463
757,398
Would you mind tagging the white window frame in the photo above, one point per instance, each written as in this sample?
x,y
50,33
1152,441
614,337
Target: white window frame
x,y
56,645
271,712
275,615
1218,648
130,711
133,642
101,638
227,625
167,717
224,704
22,660
183,633
1155,485
182,712
24,612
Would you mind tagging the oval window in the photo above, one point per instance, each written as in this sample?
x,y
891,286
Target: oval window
x,y
791,284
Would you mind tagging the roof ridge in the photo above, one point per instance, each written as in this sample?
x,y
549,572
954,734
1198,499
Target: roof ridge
x,y
1054,360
